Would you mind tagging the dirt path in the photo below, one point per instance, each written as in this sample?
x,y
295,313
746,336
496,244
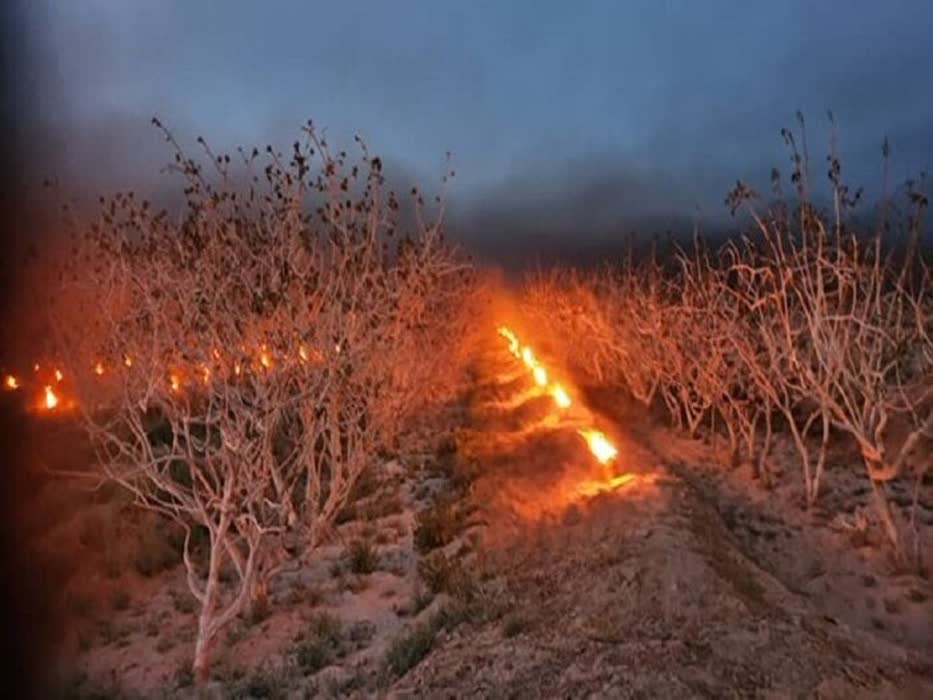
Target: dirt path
x,y
637,591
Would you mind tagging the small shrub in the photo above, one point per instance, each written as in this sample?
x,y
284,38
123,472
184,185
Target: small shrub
x,y
361,633
320,645
444,575
362,557
263,683
438,525
408,651
184,675
305,594
385,504
514,626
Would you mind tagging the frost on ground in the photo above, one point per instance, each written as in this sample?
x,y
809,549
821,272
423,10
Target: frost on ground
x,y
497,562
650,590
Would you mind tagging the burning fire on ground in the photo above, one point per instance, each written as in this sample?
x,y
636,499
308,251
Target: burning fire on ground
x,y
601,447
50,393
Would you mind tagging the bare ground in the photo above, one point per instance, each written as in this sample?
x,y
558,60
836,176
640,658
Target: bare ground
x,y
682,579
651,589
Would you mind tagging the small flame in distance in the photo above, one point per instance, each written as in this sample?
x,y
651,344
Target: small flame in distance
x,y
51,400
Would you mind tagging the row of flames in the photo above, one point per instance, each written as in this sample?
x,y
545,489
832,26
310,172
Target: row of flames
x,y
50,396
599,444
50,381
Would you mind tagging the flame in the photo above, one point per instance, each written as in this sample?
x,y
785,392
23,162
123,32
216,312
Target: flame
x,y
599,444
561,397
265,359
512,338
51,400
540,375
11,382
58,375
127,360
174,382
528,357
302,353
98,369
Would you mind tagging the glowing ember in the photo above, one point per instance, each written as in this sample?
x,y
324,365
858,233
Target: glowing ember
x,y
58,375
98,369
174,382
265,359
599,444
51,400
35,367
561,398
528,357
540,375
11,382
302,353
593,487
236,369
127,360
513,340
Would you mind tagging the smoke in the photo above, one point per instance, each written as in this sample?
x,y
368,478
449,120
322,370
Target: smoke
x,y
581,210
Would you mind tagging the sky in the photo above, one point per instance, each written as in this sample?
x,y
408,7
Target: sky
x,y
564,119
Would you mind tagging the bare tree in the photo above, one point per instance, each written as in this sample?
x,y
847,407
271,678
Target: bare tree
x,y
252,359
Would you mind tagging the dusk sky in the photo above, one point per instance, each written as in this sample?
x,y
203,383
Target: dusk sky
x,y
590,112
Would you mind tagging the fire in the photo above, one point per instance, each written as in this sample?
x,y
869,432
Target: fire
x,y
98,369
265,359
11,382
174,382
602,449
528,357
58,375
127,360
51,400
540,375
561,397
513,340
598,443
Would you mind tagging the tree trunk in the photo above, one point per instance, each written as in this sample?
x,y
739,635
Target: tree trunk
x,y
885,514
202,646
